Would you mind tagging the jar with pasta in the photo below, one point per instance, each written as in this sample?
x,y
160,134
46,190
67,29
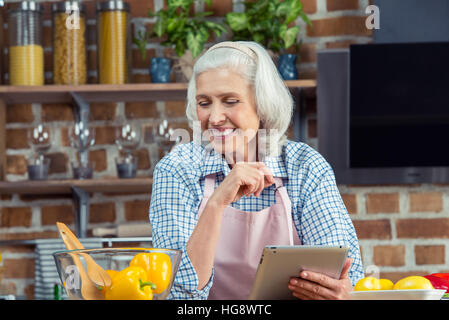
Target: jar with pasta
x,y
114,42
26,53
69,43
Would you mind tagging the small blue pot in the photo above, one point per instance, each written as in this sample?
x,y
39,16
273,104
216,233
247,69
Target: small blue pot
x,y
160,70
287,66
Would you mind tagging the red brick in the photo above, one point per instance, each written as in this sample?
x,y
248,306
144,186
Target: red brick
x,y
338,26
57,112
20,113
373,229
58,162
350,201
15,217
307,53
16,164
102,212
99,159
426,202
137,210
175,109
17,139
141,78
340,44
140,8
29,235
137,110
432,254
382,203
143,157
102,111
422,228
389,255
220,7
60,213
105,135
139,62
19,268
309,6
334,5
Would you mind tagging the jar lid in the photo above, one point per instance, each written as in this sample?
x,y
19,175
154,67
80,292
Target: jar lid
x,y
25,5
68,6
113,5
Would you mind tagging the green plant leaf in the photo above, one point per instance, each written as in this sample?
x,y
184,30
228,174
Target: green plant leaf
x,y
195,43
237,21
179,3
305,18
294,10
259,38
160,26
172,24
180,48
282,30
150,13
290,36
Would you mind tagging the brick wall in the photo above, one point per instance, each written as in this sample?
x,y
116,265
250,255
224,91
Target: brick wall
x,y
401,228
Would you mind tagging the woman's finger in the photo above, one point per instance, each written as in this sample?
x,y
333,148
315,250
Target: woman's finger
x,y
319,278
310,289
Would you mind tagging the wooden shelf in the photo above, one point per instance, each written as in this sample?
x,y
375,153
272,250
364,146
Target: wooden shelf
x,y
108,93
105,185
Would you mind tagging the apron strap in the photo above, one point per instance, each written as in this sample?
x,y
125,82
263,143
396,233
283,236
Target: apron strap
x,y
282,197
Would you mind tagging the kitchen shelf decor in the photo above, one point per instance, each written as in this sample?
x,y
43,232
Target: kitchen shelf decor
x,y
81,96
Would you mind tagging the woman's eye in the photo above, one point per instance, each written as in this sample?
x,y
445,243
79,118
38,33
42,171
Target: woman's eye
x,y
231,101
203,103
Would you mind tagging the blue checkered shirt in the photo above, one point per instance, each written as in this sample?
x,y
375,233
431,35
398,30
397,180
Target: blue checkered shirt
x,y
319,214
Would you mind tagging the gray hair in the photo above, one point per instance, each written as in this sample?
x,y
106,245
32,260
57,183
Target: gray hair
x,y
274,102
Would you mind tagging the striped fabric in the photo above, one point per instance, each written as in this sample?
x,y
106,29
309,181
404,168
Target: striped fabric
x,y
319,214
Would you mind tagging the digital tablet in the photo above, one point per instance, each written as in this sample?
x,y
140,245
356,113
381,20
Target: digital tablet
x,y
279,263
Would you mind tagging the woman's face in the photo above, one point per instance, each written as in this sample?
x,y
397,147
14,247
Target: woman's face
x,y
227,112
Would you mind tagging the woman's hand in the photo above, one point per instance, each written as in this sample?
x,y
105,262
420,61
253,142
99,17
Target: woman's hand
x,y
245,178
317,286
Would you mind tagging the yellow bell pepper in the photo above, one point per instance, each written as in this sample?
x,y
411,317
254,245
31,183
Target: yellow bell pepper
x,y
157,266
130,284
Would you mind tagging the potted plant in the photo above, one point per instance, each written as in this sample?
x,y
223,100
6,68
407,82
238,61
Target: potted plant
x,y
271,24
187,33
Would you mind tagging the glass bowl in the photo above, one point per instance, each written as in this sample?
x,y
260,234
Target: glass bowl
x,y
69,261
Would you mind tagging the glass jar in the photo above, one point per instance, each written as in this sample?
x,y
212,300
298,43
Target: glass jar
x,y
26,53
69,43
114,42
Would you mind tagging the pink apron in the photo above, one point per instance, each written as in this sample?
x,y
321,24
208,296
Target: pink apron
x,y
242,238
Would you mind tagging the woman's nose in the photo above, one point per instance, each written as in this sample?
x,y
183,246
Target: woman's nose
x,y
217,115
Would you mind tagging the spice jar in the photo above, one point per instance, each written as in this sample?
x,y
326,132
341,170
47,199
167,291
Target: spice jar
x,y
69,43
26,53
114,42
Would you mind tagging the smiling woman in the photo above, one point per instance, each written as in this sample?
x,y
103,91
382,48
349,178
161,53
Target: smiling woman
x,y
222,200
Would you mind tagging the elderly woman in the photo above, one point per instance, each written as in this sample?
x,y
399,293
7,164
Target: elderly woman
x,y
244,185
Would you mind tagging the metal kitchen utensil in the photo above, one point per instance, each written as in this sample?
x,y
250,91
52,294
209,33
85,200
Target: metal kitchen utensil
x,y
94,272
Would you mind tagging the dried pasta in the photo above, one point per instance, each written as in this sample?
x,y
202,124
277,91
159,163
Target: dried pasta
x,y
69,51
26,65
112,47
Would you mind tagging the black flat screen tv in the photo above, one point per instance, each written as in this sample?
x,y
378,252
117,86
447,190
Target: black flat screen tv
x,y
383,112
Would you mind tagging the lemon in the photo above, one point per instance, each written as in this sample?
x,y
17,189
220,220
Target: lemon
x,y
386,284
413,282
368,283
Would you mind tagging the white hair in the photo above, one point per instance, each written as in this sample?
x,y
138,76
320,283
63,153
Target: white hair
x,y
274,102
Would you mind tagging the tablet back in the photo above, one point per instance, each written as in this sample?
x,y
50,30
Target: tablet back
x,y
279,263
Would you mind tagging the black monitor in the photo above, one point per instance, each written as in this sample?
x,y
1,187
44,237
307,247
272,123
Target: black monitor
x,y
383,112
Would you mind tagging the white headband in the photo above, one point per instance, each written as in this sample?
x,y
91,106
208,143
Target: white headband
x,y
234,45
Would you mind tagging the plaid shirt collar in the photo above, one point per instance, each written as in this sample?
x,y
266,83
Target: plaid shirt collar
x,y
215,162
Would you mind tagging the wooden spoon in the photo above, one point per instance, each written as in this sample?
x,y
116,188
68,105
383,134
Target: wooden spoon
x,y
96,273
